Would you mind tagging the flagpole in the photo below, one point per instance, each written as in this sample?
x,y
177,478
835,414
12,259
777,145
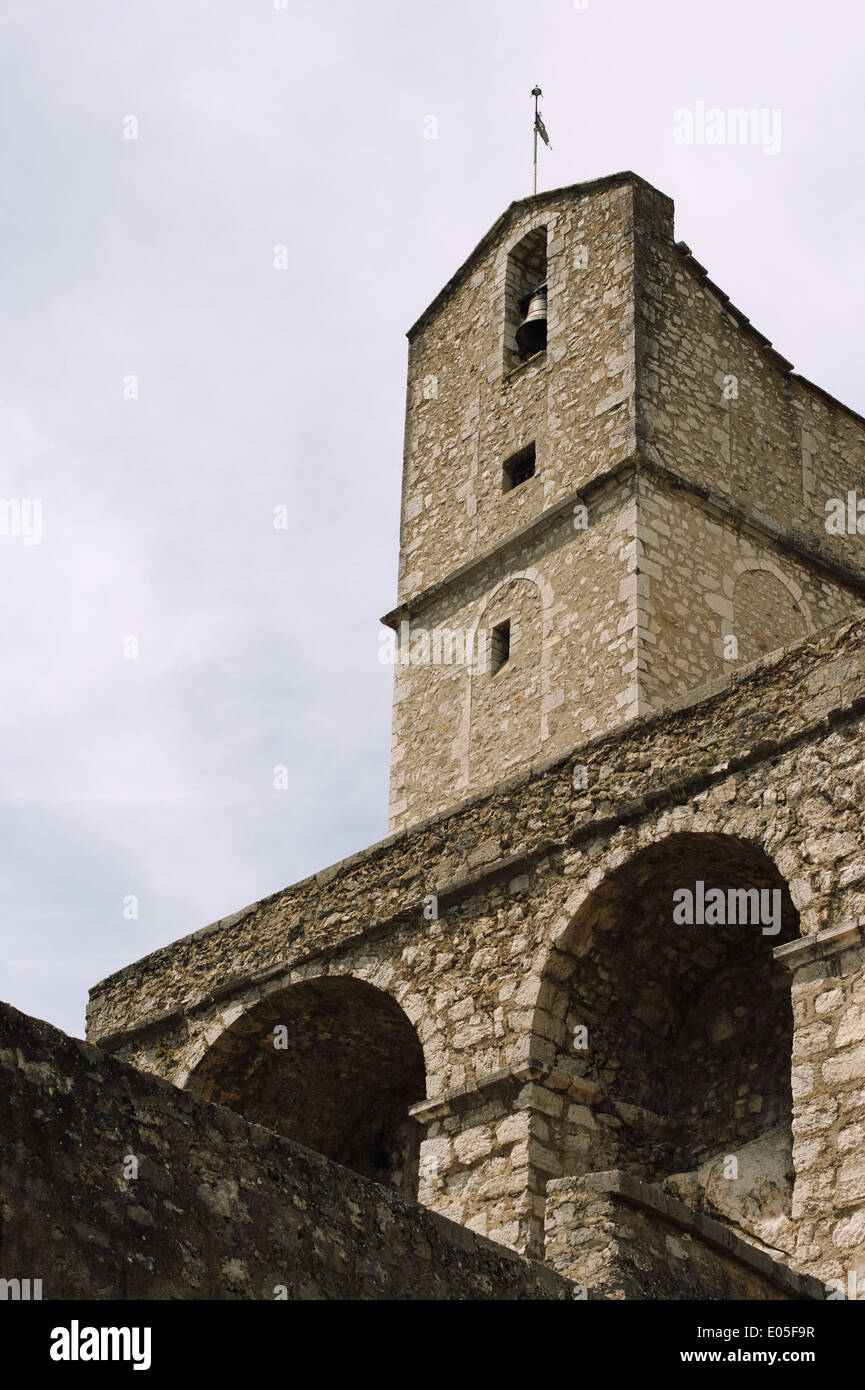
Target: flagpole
x,y
536,92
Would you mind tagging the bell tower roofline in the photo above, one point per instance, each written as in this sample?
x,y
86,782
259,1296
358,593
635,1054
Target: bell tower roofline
x,y
513,210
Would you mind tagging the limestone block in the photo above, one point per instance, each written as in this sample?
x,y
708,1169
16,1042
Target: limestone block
x,y
473,1145
757,1200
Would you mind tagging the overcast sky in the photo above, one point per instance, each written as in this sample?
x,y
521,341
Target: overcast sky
x,y
147,265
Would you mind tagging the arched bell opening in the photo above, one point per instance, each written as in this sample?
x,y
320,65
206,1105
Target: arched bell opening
x,y
526,299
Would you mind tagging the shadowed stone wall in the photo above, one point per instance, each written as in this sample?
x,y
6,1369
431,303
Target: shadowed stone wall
x,y
333,1063
623,1239
217,1208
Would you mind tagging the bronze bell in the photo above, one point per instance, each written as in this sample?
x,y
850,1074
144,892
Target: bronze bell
x,y
532,332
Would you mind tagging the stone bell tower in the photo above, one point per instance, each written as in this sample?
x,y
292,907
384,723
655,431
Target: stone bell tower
x,y
613,489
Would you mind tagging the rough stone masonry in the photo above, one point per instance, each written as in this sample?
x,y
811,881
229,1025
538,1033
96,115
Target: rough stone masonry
x,y
675,519
630,663
551,1020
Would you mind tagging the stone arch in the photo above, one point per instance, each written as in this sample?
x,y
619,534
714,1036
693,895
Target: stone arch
x,y
505,710
687,1053
533,233
331,1062
545,217
767,609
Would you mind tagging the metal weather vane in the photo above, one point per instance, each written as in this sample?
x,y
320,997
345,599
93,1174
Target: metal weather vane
x,y
540,129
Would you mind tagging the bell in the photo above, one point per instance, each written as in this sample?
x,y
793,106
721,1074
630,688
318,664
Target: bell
x,y
532,332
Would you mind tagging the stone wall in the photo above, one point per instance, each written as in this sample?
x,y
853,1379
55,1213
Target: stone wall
x,y
706,576
829,1086
502,927
624,1239
468,412
760,452
114,1185
571,671
719,405
679,498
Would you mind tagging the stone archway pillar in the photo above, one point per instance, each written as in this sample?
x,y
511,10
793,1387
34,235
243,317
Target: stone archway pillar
x,y
489,1150
828,1078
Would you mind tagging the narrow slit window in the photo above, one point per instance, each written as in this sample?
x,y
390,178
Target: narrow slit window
x,y
519,468
500,646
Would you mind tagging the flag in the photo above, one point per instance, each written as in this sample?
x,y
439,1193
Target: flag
x,y
541,129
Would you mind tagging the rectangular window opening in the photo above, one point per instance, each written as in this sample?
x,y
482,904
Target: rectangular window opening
x,y
519,468
500,646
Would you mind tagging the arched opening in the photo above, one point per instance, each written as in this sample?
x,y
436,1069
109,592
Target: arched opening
x,y
685,1027
506,695
526,273
766,615
332,1063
